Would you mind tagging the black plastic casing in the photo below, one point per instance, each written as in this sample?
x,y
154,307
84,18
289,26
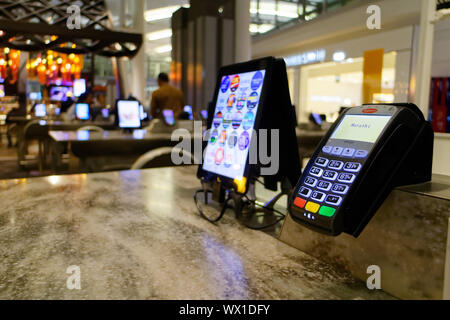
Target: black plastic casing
x,y
402,155
275,111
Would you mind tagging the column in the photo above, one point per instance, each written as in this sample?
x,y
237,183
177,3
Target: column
x,y
425,55
242,48
138,75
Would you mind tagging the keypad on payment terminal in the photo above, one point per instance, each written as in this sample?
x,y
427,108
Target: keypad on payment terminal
x,y
328,180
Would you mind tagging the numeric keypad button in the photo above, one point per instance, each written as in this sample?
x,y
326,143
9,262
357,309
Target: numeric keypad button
x,y
322,162
305,192
336,165
340,188
330,175
318,196
333,200
324,185
346,177
352,167
311,182
316,172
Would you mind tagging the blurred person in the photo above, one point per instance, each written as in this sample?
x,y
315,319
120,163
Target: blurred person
x,y
65,105
166,97
101,100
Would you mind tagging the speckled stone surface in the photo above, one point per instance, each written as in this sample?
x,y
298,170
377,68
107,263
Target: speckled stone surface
x,y
407,239
137,235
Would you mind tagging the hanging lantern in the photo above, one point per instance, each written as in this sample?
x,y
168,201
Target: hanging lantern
x,y
9,65
53,67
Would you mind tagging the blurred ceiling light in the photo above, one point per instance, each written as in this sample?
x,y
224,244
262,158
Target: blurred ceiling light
x,y
161,13
339,56
163,49
282,10
260,28
160,34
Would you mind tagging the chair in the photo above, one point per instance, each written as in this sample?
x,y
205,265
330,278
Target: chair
x,y
160,157
32,131
91,128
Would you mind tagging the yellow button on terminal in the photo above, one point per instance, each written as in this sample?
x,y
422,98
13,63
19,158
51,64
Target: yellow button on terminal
x,y
312,207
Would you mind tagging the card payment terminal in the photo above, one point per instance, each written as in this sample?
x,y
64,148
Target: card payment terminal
x,y
368,151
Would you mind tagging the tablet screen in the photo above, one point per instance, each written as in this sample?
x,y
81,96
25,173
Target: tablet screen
x,y
40,110
82,111
129,113
169,118
234,117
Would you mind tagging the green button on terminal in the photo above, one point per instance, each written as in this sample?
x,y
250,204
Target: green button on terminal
x,y
327,211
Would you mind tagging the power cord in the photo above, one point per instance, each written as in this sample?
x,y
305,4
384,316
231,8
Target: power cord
x,y
225,207
269,209
222,212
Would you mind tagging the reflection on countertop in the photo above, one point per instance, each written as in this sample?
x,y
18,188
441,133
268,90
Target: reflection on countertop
x,y
137,235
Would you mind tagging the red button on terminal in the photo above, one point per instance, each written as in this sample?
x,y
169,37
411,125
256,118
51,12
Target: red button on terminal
x,y
299,202
370,110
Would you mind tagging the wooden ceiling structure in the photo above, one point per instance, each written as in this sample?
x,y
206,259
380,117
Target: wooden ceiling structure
x,y
40,25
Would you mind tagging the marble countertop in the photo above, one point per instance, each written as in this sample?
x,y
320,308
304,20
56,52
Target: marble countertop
x,y
137,235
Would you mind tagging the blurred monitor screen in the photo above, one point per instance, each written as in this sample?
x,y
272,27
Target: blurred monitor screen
x,y
35,96
188,109
40,110
129,114
169,118
82,111
60,93
79,87
105,113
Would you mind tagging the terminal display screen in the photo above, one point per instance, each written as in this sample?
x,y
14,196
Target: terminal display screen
x,y
234,118
129,113
360,128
